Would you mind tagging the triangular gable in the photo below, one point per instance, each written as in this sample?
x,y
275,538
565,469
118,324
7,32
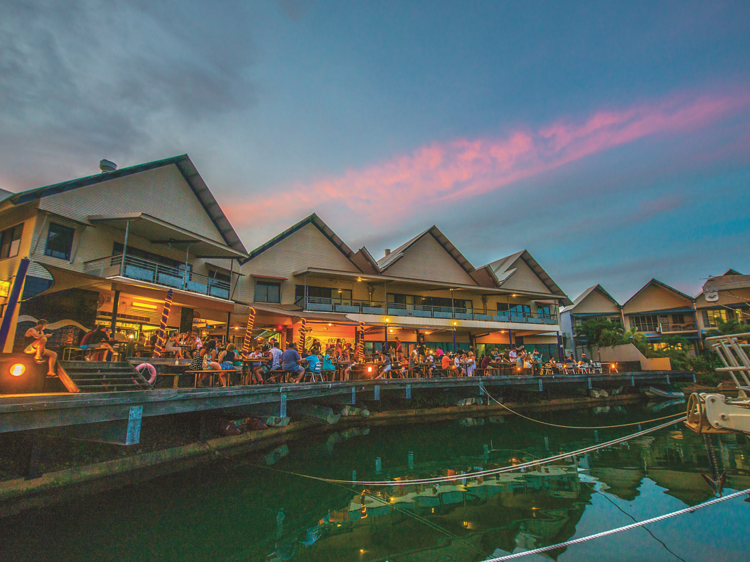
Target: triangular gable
x,y
521,272
151,186
594,300
731,272
430,257
308,243
657,296
387,261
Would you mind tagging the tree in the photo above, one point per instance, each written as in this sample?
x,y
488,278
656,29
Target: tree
x,y
591,332
731,326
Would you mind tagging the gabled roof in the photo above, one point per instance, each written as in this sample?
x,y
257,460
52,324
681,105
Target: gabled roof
x,y
387,261
318,223
731,272
187,170
586,293
658,284
504,270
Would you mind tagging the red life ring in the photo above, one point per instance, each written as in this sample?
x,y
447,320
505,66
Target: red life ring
x,y
151,371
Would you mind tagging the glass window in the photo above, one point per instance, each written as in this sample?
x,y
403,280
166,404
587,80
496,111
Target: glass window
x,y
544,311
645,323
266,291
59,241
711,318
10,241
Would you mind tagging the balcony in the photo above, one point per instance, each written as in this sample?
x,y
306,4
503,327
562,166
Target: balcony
x,y
149,271
677,327
347,306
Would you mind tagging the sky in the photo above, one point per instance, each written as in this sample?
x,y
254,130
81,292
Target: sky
x,y
609,139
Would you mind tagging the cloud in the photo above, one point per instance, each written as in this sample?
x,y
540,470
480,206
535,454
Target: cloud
x,y
84,79
446,173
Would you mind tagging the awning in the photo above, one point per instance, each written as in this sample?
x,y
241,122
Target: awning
x,y
260,276
158,231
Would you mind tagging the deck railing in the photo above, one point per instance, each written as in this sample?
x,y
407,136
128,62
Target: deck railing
x,y
154,272
349,306
677,327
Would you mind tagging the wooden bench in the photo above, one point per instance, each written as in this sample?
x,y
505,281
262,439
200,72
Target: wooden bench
x,y
212,373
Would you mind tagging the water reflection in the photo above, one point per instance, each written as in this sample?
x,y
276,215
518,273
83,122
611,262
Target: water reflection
x,y
471,519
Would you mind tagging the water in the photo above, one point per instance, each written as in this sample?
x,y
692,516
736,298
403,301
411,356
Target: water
x,y
251,508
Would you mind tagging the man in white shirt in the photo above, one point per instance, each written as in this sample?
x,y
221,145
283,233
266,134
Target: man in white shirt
x,y
275,354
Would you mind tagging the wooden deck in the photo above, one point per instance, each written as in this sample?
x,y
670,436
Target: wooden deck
x,y
41,411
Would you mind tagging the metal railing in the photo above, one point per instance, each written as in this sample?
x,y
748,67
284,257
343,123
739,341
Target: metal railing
x,y
154,272
677,327
733,352
349,306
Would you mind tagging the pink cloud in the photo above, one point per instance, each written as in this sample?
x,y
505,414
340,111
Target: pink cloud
x,y
466,168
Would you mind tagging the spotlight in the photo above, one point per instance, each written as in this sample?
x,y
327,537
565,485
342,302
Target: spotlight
x,y
17,370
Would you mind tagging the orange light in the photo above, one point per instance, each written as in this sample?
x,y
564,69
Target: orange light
x,y
387,319
17,370
369,369
391,330
330,324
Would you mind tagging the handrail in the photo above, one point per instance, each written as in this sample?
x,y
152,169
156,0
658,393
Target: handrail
x,y
142,269
352,306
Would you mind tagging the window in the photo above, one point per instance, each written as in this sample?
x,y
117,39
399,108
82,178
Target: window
x,y
10,241
339,296
265,291
544,311
645,323
59,241
445,302
711,318
143,254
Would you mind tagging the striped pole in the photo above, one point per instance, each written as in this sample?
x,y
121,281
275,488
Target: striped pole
x,y
247,343
161,335
302,331
361,343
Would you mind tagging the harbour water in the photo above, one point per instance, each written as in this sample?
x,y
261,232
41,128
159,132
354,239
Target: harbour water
x,y
257,507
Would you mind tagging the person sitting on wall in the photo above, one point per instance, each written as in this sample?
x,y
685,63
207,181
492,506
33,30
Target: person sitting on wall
x,y
290,362
35,342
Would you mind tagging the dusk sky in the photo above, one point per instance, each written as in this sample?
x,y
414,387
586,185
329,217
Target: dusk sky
x,y
611,140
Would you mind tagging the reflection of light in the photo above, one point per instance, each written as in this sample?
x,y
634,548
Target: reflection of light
x,y
17,370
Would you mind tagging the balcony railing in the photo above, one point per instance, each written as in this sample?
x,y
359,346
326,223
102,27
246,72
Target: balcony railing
x,y
348,306
677,327
153,272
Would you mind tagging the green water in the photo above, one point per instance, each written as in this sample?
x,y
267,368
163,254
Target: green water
x,y
251,508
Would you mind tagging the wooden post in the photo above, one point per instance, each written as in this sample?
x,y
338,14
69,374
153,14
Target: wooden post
x,y
115,305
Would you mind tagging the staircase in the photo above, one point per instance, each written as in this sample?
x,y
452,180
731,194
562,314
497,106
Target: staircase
x,y
100,376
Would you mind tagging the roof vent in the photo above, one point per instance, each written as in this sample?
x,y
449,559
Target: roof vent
x,y
387,252
107,166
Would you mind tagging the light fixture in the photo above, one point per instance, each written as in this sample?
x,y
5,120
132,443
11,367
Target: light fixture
x,y
391,330
514,295
17,370
131,336
455,323
144,305
369,369
330,324
387,319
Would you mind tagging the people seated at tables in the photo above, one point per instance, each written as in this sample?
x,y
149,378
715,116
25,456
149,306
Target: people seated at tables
x,y
455,368
584,359
485,364
328,368
205,359
120,336
35,342
274,354
445,362
385,370
315,347
229,358
470,364
290,362
173,346
554,365
255,376
95,341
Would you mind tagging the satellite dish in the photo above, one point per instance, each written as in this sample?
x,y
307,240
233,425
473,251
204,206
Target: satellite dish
x,y
711,296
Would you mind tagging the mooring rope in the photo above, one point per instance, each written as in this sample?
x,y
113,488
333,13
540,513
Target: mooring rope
x,y
483,473
579,426
620,529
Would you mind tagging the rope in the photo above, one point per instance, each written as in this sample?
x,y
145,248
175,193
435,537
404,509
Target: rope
x,y
579,426
483,473
620,529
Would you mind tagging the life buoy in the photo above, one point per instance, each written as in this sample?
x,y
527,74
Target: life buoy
x,y
151,371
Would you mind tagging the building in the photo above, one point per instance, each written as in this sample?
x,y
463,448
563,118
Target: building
x,y
724,298
425,289
594,302
105,249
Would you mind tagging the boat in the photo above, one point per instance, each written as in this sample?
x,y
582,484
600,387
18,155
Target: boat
x,y
653,392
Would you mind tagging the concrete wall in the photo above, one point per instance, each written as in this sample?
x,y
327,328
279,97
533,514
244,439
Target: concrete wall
x,y
628,352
